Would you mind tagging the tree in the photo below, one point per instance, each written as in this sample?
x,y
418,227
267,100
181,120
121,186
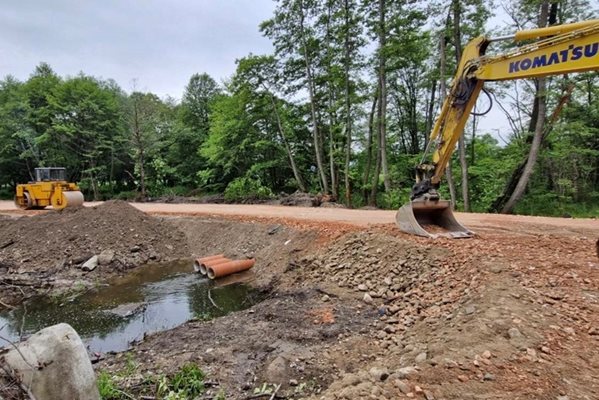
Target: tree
x,y
260,73
296,46
145,123
85,120
201,90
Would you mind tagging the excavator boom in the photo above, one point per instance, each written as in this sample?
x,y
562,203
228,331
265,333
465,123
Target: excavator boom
x,y
555,50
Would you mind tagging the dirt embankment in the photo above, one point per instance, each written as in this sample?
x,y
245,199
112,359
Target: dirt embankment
x,y
48,248
382,315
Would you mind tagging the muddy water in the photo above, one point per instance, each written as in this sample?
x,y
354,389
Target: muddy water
x,y
151,299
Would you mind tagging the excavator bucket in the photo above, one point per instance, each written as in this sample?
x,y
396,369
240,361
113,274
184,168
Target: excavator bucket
x,y
430,218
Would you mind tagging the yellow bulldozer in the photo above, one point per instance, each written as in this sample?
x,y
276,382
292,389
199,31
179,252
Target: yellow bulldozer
x,y
50,188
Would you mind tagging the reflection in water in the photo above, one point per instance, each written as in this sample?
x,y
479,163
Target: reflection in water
x,y
171,293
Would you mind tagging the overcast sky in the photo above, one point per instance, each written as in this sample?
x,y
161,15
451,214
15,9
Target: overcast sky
x,y
159,43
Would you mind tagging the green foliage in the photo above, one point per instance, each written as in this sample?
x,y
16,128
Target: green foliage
x,y
246,189
186,383
107,387
303,106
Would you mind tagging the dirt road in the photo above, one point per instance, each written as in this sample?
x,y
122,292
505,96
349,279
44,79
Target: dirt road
x,y
476,222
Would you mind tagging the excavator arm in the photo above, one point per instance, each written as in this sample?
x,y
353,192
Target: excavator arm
x,y
553,50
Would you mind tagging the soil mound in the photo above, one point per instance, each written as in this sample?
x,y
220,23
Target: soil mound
x,y
122,236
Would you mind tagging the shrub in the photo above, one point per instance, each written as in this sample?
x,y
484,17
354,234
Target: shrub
x,y
244,189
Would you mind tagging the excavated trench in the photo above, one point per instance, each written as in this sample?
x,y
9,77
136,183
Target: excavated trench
x,y
119,304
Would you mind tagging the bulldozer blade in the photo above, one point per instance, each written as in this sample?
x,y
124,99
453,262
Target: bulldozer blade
x,y
430,218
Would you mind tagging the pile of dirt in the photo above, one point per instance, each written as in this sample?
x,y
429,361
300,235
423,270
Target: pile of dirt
x,y
301,199
122,236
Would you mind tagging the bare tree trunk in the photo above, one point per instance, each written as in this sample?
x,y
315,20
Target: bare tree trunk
x,y
383,96
442,95
137,137
430,113
296,174
369,146
377,168
457,37
538,131
315,132
348,120
331,112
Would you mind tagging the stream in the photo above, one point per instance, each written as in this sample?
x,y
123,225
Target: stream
x,y
150,299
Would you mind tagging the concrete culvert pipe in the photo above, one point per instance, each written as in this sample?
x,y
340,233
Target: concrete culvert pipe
x,y
220,270
197,263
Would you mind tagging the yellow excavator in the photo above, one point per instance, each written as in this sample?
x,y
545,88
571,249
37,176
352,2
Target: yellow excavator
x,y
50,188
554,50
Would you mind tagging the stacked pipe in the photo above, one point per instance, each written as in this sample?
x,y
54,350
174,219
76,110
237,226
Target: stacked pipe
x,y
218,266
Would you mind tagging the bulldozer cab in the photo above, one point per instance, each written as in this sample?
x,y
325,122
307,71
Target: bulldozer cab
x,y
50,174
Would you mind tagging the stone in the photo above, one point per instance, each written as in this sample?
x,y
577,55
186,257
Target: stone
x,y
486,354
514,333
469,310
428,395
362,287
462,378
489,377
405,372
135,249
449,363
106,257
90,264
570,331
325,298
57,355
402,386
277,371
367,298
293,382
379,373
128,309
420,358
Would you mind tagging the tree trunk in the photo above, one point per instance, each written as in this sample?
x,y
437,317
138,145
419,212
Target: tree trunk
x,y
137,136
500,202
383,96
442,95
457,37
315,131
348,120
535,146
369,147
377,169
296,173
331,112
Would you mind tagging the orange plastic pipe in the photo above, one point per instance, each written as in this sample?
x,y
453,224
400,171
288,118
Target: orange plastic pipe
x,y
220,270
199,261
204,266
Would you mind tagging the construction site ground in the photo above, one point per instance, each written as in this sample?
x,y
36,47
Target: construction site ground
x,y
355,309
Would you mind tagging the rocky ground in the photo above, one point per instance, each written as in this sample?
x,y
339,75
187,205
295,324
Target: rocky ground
x,y
355,313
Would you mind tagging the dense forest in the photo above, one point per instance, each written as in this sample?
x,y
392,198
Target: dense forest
x,y
343,107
